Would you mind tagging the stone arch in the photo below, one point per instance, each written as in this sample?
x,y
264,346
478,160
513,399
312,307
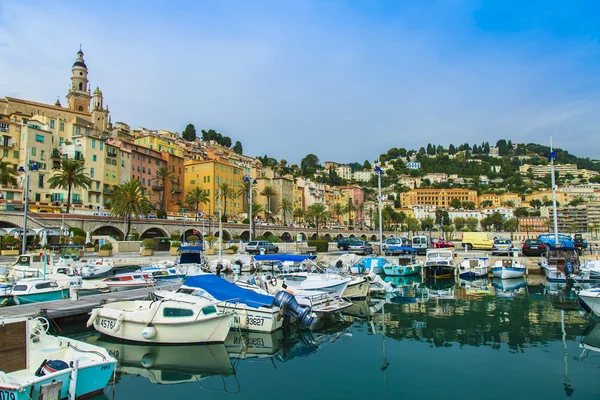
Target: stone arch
x,y
190,232
383,237
266,234
304,237
339,236
373,238
226,235
314,236
352,235
364,237
286,237
245,236
109,230
6,224
327,236
152,233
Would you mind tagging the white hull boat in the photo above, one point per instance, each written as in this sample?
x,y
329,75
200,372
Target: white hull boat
x,y
49,366
165,321
590,300
473,268
508,269
134,280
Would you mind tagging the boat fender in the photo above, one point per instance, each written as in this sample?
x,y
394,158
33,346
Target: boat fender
x,y
149,332
118,323
93,317
148,360
273,281
243,314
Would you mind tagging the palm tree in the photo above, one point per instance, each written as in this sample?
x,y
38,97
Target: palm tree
x,y
195,197
298,213
285,206
128,201
162,174
361,214
318,212
244,193
370,214
7,173
226,191
269,193
72,175
338,209
349,208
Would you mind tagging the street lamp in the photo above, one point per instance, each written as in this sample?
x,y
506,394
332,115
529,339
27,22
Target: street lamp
x,y
251,183
28,168
379,172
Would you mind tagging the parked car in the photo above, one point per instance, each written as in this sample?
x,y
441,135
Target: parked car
x,y
420,244
360,247
257,246
533,247
394,242
502,246
563,240
441,243
344,243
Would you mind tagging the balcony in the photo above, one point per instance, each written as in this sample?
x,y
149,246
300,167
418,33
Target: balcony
x,y
108,191
94,190
56,154
8,143
75,201
158,188
111,153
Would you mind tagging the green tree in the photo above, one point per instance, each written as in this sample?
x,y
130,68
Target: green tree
x,y
285,206
226,191
427,223
459,223
299,214
412,224
497,221
237,147
8,173
195,197
269,192
309,164
535,203
511,225
521,212
189,133
129,201
367,165
349,208
244,193
71,175
455,203
337,210
472,223
162,174
318,213
469,205
486,203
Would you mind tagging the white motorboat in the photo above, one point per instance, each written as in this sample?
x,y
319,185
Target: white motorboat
x,y
508,269
330,283
38,365
439,263
39,266
98,268
134,280
562,264
243,263
590,300
163,275
592,267
165,321
220,265
254,311
190,260
36,290
473,268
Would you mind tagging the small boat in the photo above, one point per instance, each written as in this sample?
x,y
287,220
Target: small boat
x,y
562,264
169,365
163,275
35,290
508,269
39,266
358,288
283,263
133,280
473,268
243,263
374,264
592,267
254,310
220,265
190,260
407,264
439,264
590,300
38,365
98,268
165,321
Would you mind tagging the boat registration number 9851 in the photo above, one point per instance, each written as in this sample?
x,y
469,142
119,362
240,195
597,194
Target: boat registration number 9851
x,y
6,395
107,323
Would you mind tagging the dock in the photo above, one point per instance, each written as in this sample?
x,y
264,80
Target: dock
x,y
67,307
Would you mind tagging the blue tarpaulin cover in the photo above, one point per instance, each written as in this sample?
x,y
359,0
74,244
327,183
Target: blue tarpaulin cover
x,y
223,290
283,257
401,248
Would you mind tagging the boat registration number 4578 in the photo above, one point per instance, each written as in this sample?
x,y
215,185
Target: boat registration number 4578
x,y
6,395
107,323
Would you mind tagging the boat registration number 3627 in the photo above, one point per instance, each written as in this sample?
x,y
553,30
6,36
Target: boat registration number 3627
x,y
6,395
107,323
256,321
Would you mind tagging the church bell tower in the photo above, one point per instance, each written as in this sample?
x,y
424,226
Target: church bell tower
x,y
79,93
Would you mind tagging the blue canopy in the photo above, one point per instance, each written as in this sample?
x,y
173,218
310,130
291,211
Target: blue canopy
x,y
401,248
190,249
224,290
283,257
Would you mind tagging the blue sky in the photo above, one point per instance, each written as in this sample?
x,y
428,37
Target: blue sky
x,y
345,80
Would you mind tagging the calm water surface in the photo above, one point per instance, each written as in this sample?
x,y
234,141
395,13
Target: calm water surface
x,y
445,340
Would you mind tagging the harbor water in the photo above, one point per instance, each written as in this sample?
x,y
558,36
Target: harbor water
x,y
488,340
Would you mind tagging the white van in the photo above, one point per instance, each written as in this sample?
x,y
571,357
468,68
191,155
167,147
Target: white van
x,y
420,244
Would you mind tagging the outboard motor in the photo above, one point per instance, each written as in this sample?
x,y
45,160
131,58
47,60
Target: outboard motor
x,y
289,305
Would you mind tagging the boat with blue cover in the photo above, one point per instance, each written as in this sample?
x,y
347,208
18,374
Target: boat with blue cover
x,y
368,265
37,365
406,265
190,260
253,311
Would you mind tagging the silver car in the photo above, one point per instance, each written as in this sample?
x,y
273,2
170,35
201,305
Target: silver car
x,y
502,246
360,247
261,245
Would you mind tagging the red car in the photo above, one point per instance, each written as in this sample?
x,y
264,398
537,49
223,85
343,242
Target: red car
x,y
441,243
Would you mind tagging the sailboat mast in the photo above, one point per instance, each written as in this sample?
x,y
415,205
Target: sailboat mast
x,y
552,157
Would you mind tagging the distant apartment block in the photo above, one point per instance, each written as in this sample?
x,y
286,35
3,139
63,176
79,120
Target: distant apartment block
x,y
413,165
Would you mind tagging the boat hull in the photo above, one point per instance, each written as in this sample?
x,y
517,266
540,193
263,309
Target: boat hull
x,y
508,272
439,271
252,320
40,297
357,289
590,301
402,270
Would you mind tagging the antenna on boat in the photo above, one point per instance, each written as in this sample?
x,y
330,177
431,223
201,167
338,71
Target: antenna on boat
x,y
551,159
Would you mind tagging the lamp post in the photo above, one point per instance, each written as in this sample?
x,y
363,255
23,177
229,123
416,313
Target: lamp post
x,y
379,172
251,182
28,167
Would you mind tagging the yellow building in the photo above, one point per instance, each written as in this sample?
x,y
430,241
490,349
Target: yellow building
x,y
500,199
437,197
209,175
163,141
10,139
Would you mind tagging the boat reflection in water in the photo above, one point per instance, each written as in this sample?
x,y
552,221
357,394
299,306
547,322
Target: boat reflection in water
x,y
168,365
509,288
591,343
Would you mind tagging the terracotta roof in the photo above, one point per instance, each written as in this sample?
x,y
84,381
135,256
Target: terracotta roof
x,y
33,103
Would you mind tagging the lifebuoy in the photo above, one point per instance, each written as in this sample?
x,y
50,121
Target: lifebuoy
x,y
273,282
